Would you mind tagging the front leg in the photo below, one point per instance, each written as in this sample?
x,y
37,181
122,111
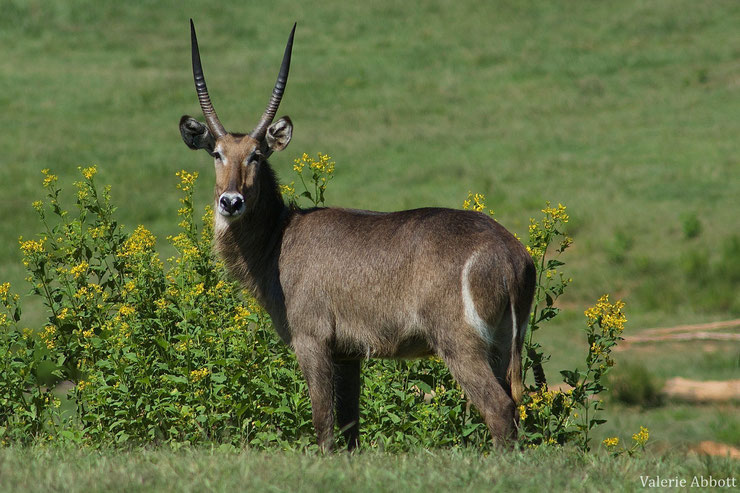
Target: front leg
x,y
314,358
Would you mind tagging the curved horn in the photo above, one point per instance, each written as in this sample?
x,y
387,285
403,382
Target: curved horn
x,y
277,92
209,113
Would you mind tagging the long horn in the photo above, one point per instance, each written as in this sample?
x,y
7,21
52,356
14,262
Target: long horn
x,y
209,113
277,92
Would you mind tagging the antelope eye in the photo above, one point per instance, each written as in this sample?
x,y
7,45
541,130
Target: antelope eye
x,y
216,155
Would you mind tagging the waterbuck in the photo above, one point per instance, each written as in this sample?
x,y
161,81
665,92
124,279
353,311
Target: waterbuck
x,y
343,285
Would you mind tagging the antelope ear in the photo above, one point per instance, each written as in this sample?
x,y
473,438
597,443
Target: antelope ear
x,y
279,134
196,135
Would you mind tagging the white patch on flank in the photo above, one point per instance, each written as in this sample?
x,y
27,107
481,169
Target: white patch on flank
x,y
471,314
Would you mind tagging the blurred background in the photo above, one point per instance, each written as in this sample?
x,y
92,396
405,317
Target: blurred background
x,y
626,112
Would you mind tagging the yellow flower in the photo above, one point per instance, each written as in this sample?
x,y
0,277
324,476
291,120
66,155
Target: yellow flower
x,y
240,318
81,292
79,269
288,190
49,178
197,375
198,289
323,164
82,194
140,241
611,442
88,173
607,315
4,290
48,336
597,349
522,412
475,202
300,163
186,247
187,180
32,246
63,313
126,310
82,384
641,438
556,214
128,287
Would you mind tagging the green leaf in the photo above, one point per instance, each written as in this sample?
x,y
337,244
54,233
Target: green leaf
x,y
470,428
423,386
553,264
218,377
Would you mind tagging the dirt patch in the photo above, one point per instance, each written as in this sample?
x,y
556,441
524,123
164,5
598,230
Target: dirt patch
x,y
716,449
697,391
685,333
684,336
727,324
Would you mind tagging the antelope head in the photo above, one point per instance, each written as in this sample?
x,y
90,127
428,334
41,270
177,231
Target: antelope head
x,y
238,158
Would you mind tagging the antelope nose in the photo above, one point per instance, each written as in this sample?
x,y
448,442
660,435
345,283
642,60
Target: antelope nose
x,y
231,204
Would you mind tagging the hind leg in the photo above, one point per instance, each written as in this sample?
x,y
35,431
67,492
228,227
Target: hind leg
x,y
499,354
497,361
471,369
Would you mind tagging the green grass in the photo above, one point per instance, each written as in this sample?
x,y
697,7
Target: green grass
x,y
626,112
214,470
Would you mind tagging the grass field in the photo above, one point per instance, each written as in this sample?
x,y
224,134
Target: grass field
x,y
460,470
626,112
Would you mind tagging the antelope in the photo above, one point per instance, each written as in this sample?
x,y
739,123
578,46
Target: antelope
x,y
344,285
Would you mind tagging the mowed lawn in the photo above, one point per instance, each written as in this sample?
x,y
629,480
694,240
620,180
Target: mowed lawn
x,y
627,112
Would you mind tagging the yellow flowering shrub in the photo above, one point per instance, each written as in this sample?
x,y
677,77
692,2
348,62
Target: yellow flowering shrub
x,y
25,407
174,352
559,417
164,352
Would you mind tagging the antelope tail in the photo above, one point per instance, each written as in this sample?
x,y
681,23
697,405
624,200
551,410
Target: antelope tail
x,y
514,375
